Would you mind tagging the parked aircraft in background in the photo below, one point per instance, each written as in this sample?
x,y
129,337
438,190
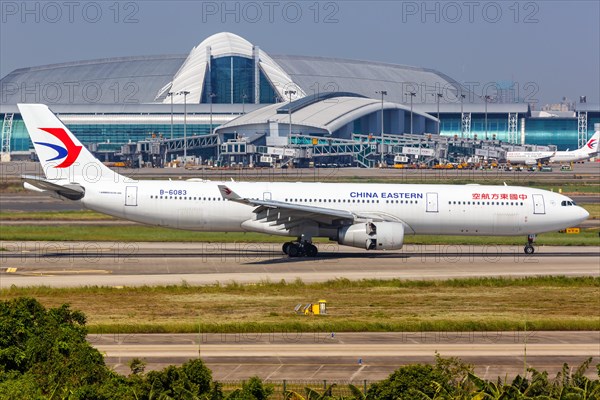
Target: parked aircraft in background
x,y
589,150
368,216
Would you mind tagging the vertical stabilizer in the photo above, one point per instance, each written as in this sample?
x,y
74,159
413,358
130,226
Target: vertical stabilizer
x,y
61,154
592,145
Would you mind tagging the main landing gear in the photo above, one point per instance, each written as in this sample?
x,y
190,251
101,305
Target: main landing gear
x,y
302,248
529,249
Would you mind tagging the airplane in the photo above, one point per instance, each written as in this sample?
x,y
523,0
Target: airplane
x,y
589,150
367,216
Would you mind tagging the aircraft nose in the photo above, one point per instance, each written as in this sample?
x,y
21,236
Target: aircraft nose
x,y
582,214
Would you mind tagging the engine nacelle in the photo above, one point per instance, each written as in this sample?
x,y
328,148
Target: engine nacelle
x,y
373,235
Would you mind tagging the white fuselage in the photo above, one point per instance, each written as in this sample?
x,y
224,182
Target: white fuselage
x,y
421,208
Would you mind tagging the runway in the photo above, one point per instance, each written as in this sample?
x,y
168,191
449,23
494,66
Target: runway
x,y
73,264
297,355
350,356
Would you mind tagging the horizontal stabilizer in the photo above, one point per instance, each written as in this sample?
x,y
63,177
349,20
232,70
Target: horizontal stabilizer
x,y
71,191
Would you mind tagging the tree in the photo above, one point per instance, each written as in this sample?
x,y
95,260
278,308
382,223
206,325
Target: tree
x,y
137,366
253,389
446,378
48,347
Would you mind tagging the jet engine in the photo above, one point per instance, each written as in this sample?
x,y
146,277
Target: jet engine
x,y
373,235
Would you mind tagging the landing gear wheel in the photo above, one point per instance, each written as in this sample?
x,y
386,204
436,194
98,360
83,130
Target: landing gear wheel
x,y
311,250
293,250
529,249
286,247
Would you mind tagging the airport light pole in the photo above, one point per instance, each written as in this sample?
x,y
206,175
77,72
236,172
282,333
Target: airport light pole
x,y
439,96
184,93
462,116
383,93
411,94
170,94
487,98
244,97
290,93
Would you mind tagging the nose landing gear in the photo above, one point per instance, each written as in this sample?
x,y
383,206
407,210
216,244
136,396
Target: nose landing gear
x,y
529,249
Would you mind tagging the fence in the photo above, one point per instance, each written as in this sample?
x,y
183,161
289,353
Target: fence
x,y
340,388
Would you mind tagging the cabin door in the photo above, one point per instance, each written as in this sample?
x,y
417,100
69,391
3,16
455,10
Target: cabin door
x,y
538,204
432,202
131,196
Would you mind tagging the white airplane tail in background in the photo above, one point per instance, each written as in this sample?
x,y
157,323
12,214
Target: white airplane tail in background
x,y
592,145
61,154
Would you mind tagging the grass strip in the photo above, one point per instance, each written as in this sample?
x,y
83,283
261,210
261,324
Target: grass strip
x,y
55,216
475,304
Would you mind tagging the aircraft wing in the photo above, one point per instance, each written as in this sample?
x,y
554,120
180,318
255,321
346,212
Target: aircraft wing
x,y
545,160
295,212
538,160
71,191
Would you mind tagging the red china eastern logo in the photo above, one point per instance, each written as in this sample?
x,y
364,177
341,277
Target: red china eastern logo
x,y
69,152
591,143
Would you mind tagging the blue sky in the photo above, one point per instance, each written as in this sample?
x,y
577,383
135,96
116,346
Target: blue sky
x,y
550,49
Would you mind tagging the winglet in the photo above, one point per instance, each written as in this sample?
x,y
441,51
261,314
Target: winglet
x,y
229,194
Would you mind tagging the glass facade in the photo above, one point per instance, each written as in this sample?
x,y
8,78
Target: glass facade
x,y
267,92
231,80
561,132
558,131
112,136
497,126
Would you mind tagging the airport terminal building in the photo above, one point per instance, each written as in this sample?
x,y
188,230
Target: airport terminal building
x,y
228,90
